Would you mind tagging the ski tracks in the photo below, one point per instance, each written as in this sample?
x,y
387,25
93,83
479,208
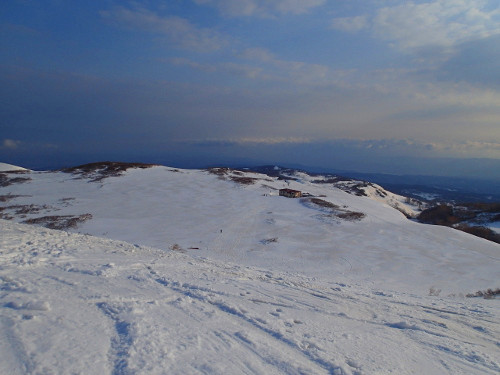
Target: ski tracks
x,y
270,346
294,325
112,307
121,340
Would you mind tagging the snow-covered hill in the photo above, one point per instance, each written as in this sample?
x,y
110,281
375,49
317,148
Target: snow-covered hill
x,y
4,167
410,207
211,272
239,217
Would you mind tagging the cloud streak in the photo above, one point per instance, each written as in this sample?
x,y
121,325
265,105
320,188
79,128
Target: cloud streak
x,y
297,71
10,144
402,147
179,31
251,141
415,25
261,64
262,8
350,24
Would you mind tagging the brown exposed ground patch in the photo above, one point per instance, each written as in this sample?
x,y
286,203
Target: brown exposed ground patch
x,y
488,294
244,180
6,178
218,171
22,210
59,222
323,203
96,172
8,197
234,175
332,210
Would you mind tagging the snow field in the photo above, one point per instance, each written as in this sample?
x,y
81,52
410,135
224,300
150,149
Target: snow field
x,y
187,209
79,304
183,272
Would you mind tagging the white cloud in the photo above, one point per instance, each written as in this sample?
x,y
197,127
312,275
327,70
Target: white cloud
x,y
350,24
178,30
394,146
295,6
264,65
262,8
259,54
273,140
10,144
251,141
181,61
479,149
247,71
414,25
299,72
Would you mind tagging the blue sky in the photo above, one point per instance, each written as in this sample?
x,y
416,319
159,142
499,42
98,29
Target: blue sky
x,y
376,86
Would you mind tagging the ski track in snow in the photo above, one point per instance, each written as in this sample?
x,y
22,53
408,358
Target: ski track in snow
x,y
149,311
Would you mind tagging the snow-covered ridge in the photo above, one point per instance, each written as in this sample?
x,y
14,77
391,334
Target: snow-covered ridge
x,y
98,171
4,167
410,207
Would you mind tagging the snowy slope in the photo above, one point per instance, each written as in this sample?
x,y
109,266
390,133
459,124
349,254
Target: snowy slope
x,y
72,303
4,167
211,272
408,206
221,215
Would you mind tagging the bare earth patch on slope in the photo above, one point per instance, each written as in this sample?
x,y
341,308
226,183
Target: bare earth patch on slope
x,y
97,172
332,210
8,197
487,294
7,180
244,180
234,175
59,222
21,210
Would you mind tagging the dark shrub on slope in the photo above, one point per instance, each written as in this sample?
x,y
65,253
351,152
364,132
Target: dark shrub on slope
x,y
458,218
438,215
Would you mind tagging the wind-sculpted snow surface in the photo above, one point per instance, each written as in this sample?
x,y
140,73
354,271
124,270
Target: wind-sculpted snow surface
x,y
72,303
